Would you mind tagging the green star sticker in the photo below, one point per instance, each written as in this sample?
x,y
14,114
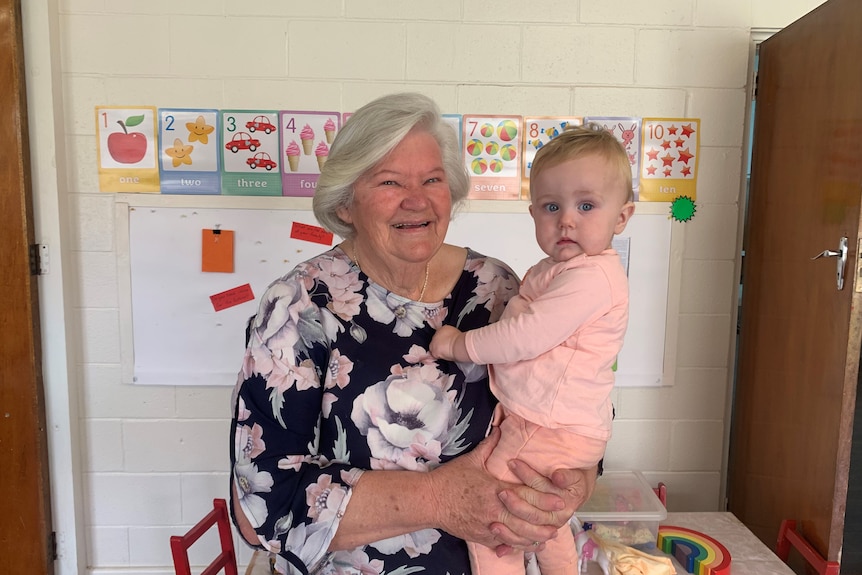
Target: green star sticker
x,y
682,208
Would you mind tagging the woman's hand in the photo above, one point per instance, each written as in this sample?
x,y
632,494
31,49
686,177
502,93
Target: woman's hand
x,y
475,506
542,501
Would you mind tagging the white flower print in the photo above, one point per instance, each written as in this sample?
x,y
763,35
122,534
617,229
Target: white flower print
x,y
338,372
249,442
324,499
355,562
384,307
293,462
344,286
496,284
249,481
414,544
326,404
418,354
407,418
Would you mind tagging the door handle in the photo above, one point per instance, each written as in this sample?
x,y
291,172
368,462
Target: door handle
x,y
841,254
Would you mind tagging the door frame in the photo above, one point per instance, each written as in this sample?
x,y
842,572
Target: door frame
x,y
51,210
758,35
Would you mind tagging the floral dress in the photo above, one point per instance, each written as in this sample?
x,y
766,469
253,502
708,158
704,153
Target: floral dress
x,y
337,379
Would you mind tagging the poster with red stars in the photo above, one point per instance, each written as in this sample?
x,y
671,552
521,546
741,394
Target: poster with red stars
x,y
669,156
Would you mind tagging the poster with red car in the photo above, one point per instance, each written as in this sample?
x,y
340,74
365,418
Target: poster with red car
x,y
126,149
250,153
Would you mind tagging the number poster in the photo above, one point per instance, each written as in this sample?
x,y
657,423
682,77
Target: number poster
x,y
492,147
250,153
670,151
189,152
628,131
538,131
126,149
305,141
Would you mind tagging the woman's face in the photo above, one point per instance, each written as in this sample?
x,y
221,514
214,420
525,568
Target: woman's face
x,y
401,207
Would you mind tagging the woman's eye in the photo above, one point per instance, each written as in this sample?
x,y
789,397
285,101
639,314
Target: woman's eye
x,y
432,180
388,183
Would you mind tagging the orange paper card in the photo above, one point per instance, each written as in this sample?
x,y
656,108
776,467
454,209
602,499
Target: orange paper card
x,y
217,251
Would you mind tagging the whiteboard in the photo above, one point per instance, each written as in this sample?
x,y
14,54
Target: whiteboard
x,y
174,336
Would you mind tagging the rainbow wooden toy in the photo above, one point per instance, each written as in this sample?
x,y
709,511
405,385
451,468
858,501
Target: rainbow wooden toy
x,y
697,552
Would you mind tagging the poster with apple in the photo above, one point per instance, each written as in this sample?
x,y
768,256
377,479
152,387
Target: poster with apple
x,y
127,149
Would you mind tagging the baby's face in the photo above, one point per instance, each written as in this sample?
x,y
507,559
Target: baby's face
x,y
578,206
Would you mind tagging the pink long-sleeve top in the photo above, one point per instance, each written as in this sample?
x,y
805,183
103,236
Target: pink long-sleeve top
x,y
554,347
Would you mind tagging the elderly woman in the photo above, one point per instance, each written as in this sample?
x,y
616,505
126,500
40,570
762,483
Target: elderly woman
x,y
355,451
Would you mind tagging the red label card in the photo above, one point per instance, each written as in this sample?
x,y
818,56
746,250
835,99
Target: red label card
x,y
232,297
315,234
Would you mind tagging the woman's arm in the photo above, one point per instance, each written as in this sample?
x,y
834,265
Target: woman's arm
x,y
462,499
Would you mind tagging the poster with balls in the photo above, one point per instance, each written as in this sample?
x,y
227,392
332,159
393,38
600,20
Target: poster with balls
x,y
492,150
627,131
669,158
126,149
538,131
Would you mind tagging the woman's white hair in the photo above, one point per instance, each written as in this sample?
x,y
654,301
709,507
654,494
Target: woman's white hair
x,y
367,137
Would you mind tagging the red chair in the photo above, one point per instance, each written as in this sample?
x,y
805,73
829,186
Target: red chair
x,y
226,559
661,493
788,536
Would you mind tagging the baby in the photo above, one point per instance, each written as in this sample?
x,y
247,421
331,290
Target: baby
x,y
553,351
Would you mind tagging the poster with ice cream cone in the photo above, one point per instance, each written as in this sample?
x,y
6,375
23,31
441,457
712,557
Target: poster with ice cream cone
x,y
250,153
126,149
189,153
627,131
305,141
492,150
538,131
670,150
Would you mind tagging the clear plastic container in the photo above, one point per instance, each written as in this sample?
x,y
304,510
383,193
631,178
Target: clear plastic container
x,y
625,509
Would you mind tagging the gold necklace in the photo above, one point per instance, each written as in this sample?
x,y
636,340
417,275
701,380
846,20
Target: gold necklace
x,y
424,283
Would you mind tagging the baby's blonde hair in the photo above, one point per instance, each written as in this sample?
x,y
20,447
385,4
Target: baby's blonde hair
x,y
578,141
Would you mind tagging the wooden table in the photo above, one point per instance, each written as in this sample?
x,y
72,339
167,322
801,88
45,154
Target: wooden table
x,y
749,555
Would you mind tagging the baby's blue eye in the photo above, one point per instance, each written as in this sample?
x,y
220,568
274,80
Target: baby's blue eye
x,y
586,206
552,207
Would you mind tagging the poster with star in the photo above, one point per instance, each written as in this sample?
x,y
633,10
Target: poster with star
x,y
670,150
305,141
492,149
189,151
126,149
250,153
538,131
627,131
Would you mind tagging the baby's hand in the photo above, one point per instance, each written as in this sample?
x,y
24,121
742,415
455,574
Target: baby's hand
x,y
442,345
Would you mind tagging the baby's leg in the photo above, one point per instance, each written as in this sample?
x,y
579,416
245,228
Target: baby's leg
x,y
560,556
484,561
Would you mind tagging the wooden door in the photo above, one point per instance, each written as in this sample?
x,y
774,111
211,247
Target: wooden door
x,y
800,336
25,519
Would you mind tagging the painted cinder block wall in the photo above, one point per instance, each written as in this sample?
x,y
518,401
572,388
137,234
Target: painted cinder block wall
x,y
144,462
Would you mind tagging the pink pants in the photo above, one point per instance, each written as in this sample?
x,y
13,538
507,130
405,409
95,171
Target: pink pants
x,y
545,450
